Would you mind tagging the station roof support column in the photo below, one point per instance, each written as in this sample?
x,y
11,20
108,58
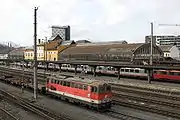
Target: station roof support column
x,y
119,76
150,73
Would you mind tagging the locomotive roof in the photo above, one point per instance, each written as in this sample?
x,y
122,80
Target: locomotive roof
x,y
78,80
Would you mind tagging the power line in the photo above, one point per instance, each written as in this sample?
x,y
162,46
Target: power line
x,y
169,24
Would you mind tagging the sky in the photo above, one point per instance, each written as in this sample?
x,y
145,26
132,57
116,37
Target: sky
x,y
94,20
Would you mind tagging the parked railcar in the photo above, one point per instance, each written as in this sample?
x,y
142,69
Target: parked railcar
x,y
171,75
133,72
92,93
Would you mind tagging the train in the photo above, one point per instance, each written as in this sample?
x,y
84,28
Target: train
x,y
91,93
159,75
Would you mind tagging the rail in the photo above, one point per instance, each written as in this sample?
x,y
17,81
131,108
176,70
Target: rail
x,y
43,112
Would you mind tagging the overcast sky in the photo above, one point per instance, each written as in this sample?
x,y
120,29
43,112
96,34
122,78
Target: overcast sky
x,y
96,20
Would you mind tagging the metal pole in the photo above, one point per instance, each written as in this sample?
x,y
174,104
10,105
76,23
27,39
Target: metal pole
x,y
151,57
22,83
35,53
44,60
46,48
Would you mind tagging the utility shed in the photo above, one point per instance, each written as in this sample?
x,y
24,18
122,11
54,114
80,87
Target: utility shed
x,y
134,53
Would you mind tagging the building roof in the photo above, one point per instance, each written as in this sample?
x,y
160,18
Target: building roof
x,y
111,42
82,41
102,43
54,38
53,45
166,48
56,26
17,51
101,49
69,42
5,49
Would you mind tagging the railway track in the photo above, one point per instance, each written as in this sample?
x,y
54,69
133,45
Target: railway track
x,y
152,90
160,100
121,116
41,111
9,114
149,108
139,91
156,101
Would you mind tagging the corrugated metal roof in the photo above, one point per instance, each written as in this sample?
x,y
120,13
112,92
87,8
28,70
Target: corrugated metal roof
x,y
101,49
102,43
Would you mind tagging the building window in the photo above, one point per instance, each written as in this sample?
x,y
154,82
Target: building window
x,y
54,52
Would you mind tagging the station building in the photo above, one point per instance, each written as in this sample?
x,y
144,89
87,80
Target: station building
x,y
137,53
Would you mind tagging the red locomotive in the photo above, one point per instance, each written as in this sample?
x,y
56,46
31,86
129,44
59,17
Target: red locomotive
x,y
92,93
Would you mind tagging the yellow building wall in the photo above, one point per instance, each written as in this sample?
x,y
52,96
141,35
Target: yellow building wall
x,y
40,52
52,55
28,54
